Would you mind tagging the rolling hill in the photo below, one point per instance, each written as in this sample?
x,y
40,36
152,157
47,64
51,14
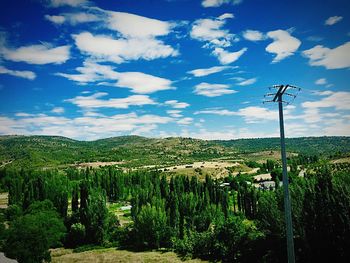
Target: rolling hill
x,y
50,151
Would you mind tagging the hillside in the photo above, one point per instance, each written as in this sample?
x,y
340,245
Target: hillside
x,y
48,151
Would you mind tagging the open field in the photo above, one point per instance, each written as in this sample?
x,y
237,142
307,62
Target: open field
x,y
116,256
216,169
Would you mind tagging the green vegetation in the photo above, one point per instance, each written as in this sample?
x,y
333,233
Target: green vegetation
x,y
52,151
190,210
201,219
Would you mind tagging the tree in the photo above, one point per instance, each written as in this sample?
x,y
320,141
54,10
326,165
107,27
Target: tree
x,y
30,236
151,227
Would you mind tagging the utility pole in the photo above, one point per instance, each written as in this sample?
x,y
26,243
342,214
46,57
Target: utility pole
x,y
278,97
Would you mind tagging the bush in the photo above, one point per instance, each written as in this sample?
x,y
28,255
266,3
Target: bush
x,y
13,212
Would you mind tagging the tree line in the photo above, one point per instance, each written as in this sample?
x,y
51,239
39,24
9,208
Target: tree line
x,y
206,219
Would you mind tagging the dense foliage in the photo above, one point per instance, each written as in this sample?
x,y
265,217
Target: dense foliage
x,y
230,222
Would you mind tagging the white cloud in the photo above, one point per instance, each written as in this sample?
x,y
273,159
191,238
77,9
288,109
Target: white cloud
x,y
339,100
284,45
321,81
333,20
228,57
227,134
210,29
207,71
226,16
212,90
58,110
92,72
136,38
253,35
138,82
74,3
130,25
247,82
185,121
176,104
18,73
37,54
336,58
174,113
85,127
217,3
338,128
251,114
105,48
95,101
55,19
142,83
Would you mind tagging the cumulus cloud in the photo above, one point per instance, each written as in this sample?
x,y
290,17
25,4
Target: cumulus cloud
x,y
138,82
142,83
106,48
336,58
253,35
176,104
41,54
226,57
333,20
18,73
217,3
284,45
339,100
210,29
91,72
207,71
212,90
135,26
94,101
137,36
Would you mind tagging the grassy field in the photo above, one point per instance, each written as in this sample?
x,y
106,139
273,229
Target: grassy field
x,y
116,256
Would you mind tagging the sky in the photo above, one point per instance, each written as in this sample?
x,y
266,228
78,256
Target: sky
x,y
159,68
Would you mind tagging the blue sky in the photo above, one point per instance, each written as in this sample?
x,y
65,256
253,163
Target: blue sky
x,y
158,68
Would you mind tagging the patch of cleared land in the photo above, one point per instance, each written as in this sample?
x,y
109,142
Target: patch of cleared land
x,y
4,198
122,211
112,255
342,160
262,177
262,156
216,169
97,164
